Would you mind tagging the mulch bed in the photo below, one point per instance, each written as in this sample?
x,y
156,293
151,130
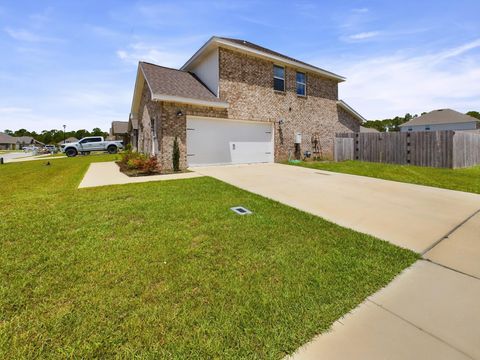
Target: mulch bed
x,y
136,173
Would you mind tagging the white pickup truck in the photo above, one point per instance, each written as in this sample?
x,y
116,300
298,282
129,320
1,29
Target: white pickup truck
x,y
91,143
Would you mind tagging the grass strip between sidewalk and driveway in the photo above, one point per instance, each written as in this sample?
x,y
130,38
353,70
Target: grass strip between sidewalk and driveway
x,y
467,179
167,270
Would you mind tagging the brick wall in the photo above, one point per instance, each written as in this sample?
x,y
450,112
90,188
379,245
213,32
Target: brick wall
x,y
246,83
173,125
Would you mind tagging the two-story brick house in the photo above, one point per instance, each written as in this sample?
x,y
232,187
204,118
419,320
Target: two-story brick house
x,y
236,102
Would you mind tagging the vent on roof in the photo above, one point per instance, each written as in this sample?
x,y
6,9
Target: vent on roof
x,y
240,210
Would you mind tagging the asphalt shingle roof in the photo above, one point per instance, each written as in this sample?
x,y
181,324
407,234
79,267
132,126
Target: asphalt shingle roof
x,y
120,127
172,82
7,139
442,116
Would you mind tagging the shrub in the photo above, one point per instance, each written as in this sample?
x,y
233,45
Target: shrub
x,y
141,163
129,156
176,155
150,165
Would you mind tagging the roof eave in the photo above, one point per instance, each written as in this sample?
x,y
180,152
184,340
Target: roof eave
x,y
438,123
350,110
191,101
217,41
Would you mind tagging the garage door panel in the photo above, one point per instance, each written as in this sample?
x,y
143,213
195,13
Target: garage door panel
x,y
220,141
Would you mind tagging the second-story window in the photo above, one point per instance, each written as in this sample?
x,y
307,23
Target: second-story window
x,y
301,84
278,78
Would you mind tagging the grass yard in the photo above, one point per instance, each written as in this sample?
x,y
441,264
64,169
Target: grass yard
x,y
467,179
166,270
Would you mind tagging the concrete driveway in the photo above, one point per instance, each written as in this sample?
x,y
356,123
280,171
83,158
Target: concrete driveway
x,y
431,310
412,216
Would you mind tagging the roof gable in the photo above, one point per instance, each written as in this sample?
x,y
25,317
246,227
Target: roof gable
x,y
257,50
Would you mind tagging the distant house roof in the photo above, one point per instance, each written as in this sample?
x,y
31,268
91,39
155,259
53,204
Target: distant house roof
x,y
442,116
364,129
69,140
7,139
25,139
168,84
119,127
257,50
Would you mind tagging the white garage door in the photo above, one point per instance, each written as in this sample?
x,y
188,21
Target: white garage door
x,y
219,141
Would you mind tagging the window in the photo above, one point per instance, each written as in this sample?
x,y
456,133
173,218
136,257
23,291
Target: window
x,y
278,78
90,140
427,128
301,84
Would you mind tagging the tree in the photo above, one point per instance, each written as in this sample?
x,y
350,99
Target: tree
x,y
97,132
474,114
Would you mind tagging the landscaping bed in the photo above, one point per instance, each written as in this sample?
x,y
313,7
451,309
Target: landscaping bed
x,y
167,270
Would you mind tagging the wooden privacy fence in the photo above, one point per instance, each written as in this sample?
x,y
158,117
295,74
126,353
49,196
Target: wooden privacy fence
x,y
446,149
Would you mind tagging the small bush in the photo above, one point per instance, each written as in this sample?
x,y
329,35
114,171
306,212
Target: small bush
x,y
150,165
138,163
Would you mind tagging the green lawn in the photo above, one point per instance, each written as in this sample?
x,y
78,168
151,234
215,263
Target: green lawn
x,y
166,270
467,179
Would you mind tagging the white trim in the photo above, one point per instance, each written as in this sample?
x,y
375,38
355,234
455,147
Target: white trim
x,y
230,119
184,100
347,108
216,41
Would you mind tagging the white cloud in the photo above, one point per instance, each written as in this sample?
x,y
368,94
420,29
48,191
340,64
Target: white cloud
x,y
8,110
28,36
152,53
360,10
412,81
364,35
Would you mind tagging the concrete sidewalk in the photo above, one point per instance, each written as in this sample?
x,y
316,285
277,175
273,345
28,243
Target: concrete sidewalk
x,y
460,250
427,312
108,173
30,157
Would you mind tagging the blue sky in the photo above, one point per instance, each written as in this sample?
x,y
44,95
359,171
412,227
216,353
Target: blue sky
x,y
74,62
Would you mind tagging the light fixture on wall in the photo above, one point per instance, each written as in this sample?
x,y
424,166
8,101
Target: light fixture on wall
x,y
280,122
179,113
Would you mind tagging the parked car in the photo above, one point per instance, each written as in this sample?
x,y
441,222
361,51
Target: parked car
x,y
30,148
51,148
92,143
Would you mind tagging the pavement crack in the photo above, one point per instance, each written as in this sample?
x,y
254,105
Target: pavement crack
x,y
421,329
449,233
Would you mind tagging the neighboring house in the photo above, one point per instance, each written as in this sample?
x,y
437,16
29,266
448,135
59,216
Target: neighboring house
x,y
364,129
443,119
7,142
68,140
237,102
23,141
119,131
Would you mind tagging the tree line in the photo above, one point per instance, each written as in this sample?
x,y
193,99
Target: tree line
x,y
56,136
394,124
